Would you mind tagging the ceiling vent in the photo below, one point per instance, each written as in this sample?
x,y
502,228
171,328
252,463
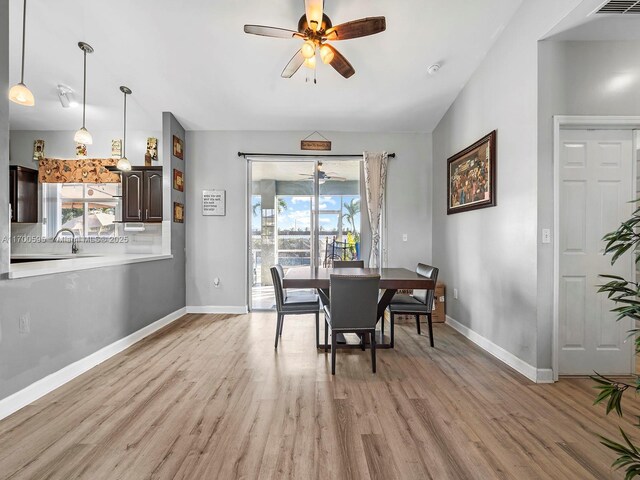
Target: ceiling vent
x,y
620,7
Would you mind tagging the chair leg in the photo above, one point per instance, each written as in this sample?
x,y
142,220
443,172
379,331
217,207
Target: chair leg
x,y
382,327
333,352
277,330
392,328
373,351
430,329
326,336
317,329
362,341
418,323
281,324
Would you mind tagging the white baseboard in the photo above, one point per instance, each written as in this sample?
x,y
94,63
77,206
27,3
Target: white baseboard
x,y
33,392
541,375
236,310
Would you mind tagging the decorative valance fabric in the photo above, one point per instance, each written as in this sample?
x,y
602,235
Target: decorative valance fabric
x,y
375,179
88,170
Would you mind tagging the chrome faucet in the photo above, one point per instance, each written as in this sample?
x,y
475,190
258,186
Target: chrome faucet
x,y
74,245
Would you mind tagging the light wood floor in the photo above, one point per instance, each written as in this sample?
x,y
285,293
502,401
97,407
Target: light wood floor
x,y
209,398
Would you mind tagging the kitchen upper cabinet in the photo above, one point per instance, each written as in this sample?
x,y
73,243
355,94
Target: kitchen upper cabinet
x,y
23,194
153,195
142,195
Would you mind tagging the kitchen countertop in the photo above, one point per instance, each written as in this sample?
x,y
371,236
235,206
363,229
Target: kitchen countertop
x,y
52,263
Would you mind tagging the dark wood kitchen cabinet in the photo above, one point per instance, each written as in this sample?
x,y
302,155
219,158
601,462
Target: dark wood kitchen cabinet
x,y
23,194
142,195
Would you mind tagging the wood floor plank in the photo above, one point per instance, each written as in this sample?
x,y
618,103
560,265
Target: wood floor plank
x,y
209,397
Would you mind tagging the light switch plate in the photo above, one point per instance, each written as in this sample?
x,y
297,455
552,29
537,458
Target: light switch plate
x,y
546,235
405,237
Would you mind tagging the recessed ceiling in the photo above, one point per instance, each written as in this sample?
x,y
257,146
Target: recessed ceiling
x,y
193,59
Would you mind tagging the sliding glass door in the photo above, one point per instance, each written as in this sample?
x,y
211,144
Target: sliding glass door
x,y
302,213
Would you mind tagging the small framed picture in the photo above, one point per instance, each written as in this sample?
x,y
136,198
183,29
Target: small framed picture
x,y
152,148
178,180
38,150
116,148
471,176
81,150
178,212
178,148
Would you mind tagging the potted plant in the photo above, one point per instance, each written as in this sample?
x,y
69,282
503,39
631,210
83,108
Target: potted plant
x,y
626,295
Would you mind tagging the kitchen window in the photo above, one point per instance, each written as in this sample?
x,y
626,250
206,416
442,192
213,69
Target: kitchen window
x,y
87,209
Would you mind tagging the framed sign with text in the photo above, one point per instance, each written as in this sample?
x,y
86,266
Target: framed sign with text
x,y
214,203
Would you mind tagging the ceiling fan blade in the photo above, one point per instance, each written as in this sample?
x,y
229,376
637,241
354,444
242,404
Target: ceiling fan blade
x,y
341,64
357,28
271,31
294,65
314,10
337,179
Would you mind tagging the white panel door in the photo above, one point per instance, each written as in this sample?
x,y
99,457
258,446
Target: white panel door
x,y
596,185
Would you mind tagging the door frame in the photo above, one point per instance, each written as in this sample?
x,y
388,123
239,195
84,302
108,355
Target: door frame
x,y
579,122
312,160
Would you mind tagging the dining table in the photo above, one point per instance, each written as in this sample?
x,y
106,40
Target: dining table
x,y
391,280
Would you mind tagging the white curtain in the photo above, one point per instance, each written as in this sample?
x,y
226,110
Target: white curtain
x,y
375,178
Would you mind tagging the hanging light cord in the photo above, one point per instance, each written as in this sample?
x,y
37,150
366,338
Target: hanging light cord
x,y
24,28
84,89
124,136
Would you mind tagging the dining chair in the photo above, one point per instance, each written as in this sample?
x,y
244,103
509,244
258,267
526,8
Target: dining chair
x,y
353,309
420,303
348,264
299,303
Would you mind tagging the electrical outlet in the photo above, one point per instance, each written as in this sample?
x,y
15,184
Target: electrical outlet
x,y
25,324
405,237
216,282
546,235
455,293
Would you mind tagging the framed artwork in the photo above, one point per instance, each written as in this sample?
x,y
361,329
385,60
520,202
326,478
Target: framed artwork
x,y
178,180
116,148
81,150
214,203
178,212
471,176
178,148
38,150
152,148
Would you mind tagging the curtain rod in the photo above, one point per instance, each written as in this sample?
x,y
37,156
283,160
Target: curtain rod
x,y
302,155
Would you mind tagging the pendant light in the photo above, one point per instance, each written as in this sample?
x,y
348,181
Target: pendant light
x,y
83,135
124,164
19,93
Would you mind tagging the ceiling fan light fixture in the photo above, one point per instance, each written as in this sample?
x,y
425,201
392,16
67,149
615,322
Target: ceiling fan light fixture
x,y
326,54
310,63
83,135
308,49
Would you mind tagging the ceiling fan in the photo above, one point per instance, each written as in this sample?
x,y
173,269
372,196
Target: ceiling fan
x,y
316,29
324,176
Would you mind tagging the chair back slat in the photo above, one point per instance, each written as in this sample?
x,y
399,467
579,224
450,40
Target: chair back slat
x,y
277,273
354,301
426,296
348,264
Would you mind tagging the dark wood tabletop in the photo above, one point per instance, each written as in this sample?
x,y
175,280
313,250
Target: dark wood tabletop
x,y
390,278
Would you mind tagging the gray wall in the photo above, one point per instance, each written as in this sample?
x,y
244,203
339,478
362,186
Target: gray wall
x,y
5,244
74,314
575,78
490,255
217,246
60,144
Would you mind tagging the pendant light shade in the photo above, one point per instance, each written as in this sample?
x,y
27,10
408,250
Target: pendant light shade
x,y
124,164
19,93
83,135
